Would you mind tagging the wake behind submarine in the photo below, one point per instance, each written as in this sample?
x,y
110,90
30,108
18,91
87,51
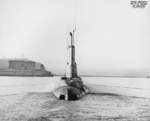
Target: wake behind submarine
x,y
74,88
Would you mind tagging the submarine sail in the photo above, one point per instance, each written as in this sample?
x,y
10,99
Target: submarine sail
x,y
73,66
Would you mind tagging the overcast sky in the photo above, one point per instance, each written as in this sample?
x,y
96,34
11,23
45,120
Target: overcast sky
x,y
112,37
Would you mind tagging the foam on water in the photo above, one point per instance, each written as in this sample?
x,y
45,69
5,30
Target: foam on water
x,y
17,103
45,107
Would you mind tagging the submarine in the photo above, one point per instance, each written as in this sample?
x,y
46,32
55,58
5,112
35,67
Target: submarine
x,y
73,87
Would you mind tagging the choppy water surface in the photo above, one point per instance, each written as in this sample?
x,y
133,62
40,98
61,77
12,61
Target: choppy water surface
x,y
17,103
45,107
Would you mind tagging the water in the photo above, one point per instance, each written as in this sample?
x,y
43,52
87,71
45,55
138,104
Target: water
x,y
28,99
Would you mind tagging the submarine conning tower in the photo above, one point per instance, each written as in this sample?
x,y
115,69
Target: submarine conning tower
x,y
73,66
74,80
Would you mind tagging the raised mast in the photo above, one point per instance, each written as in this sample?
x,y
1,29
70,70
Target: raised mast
x,y
73,65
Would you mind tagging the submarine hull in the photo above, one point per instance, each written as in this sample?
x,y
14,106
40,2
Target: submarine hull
x,y
68,93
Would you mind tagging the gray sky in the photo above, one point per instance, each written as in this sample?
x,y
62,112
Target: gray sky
x,y
111,38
